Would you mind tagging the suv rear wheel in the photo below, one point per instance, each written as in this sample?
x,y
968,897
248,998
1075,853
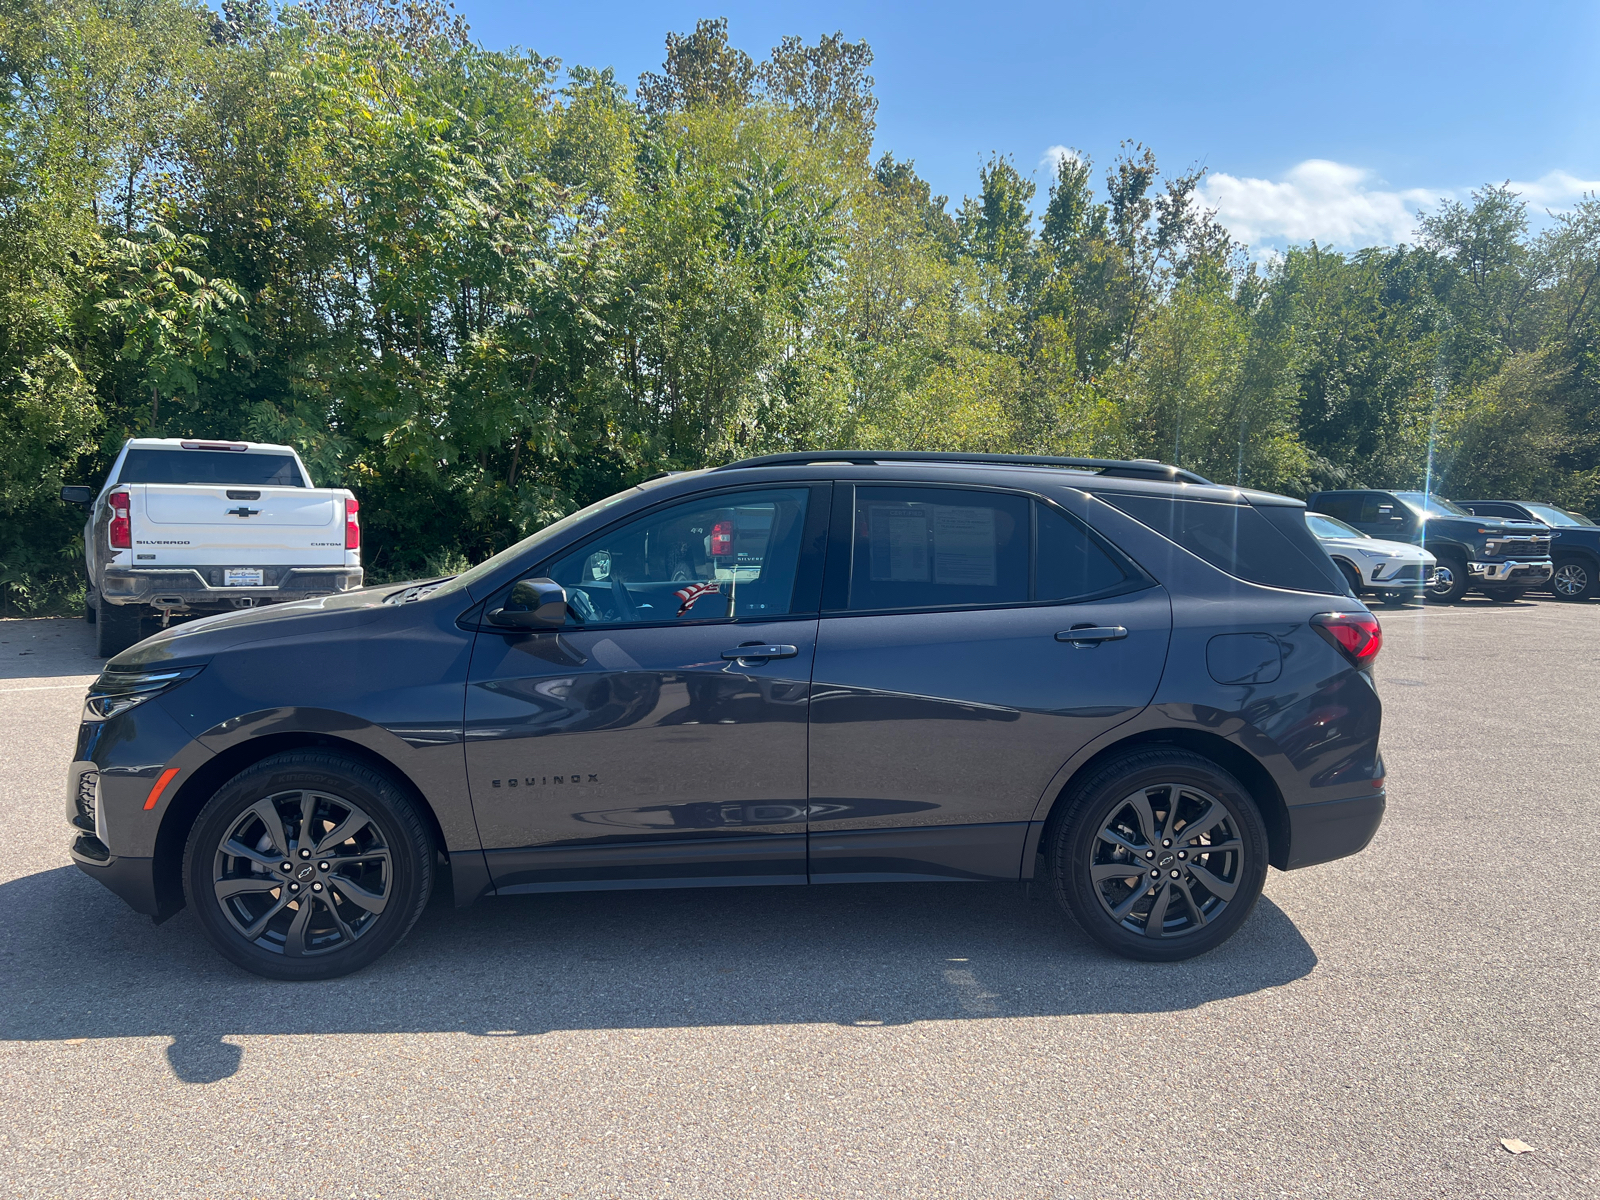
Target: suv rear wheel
x,y
308,865
1160,855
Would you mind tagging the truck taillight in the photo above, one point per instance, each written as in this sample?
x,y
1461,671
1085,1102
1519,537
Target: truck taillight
x,y
722,539
352,526
121,528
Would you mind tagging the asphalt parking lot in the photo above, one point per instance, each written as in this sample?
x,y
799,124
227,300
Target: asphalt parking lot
x,y
1376,1029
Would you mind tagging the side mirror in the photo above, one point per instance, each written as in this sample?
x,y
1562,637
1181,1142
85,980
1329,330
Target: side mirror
x,y
78,495
533,604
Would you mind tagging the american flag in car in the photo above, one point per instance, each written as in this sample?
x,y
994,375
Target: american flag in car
x,y
693,592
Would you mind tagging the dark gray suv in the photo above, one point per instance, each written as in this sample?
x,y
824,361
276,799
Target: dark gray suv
x,y
1112,677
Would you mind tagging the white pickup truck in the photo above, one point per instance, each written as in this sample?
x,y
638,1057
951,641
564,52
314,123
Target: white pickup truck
x,y
190,526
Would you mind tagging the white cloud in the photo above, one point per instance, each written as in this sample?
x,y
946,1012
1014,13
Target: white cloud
x,y
1055,155
1555,189
1336,204
1318,200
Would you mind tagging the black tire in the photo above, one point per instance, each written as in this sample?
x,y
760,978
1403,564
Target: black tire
x,y
1505,595
1352,577
88,606
1102,828
322,930
1449,580
1574,579
118,626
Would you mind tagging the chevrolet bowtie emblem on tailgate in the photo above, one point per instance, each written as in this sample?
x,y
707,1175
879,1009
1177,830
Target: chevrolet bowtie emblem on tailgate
x,y
242,511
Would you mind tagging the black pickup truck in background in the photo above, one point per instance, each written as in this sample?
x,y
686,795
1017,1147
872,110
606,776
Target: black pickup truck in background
x,y
1501,558
1575,550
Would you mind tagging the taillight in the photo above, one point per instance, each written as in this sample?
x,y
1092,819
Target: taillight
x,y
722,539
1357,636
121,527
352,526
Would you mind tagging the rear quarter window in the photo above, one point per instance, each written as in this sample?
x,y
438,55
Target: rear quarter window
x,y
1267,545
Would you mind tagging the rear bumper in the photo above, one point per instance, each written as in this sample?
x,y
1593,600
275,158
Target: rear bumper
x,y
1320,833
1512,571
183,587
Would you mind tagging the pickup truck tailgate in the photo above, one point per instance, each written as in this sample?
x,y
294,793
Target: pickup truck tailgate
x,y
198,525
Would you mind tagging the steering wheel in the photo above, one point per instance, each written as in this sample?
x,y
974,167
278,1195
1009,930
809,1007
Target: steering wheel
x,y
582,607
623,601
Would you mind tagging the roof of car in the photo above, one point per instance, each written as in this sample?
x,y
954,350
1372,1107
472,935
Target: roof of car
x,y
1102,474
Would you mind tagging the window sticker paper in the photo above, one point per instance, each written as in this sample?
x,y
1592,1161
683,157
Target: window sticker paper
x,y
899,543
963,546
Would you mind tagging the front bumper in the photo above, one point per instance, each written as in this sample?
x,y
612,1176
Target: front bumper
x,y
133,880
186,587
1511,571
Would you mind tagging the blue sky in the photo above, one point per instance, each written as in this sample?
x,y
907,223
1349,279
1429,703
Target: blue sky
x,y
1327,121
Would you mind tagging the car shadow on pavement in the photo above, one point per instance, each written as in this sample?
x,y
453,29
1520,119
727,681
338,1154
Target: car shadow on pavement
x,y
79,964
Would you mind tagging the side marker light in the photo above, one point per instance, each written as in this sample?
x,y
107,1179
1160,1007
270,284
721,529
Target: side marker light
x,y
161,786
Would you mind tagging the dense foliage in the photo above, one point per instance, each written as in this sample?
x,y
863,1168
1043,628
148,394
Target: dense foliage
x,y
482,288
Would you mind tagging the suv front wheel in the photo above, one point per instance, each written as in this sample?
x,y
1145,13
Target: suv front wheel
x,y
1160,855
308,865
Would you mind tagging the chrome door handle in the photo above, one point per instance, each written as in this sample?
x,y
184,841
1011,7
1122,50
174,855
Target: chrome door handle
x,y
760,651
1081,635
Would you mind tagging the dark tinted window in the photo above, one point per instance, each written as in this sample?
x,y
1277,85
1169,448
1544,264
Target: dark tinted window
x,y
1069,563
1238,539
219,467
939,547
1346,507
735,554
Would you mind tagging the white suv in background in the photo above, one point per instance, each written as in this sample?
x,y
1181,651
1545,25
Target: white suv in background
x,y
1397,571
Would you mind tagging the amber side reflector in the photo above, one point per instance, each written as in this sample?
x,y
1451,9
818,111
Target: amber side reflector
x,y
161,786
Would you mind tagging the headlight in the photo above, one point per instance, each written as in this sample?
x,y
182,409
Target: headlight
x,y
118,691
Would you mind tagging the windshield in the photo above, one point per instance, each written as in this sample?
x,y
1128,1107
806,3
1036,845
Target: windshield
x,y
1324,526
1557,516
222,468
1434,506
495,561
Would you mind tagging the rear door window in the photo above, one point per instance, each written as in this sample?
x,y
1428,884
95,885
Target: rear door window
x,y
1071,565
1346,507
1240,539
920,547
939,548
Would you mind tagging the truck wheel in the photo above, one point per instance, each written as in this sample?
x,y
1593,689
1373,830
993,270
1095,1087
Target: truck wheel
x,y
1449,580
1573,580
308,865
1504,595
88,606
117,628
1160,856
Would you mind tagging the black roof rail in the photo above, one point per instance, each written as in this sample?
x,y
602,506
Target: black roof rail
x,y
1119,468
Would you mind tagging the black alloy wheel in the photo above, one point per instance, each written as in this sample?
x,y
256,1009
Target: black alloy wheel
x,y
1449,579
1161,855
1574,579
308,865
